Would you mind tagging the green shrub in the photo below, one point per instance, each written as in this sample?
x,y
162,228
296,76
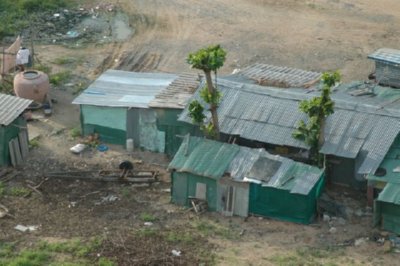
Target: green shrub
x,y
60,78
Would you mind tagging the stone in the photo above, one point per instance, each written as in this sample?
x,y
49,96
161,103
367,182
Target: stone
x,y
326,218
332,230
360,241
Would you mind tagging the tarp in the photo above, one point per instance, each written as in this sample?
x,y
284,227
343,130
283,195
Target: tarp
x,y
8,60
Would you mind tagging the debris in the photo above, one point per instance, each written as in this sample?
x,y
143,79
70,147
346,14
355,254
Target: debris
x,y
359,213
109,198
78,148
332,230
387,246
148,223
198,205
23,228
341,221
360,241
329,205
108,176
72,204
326,218
4,211
102,147
167,190
176,253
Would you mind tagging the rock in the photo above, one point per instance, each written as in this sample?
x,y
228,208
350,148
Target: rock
x,y
332,230
359,213
341,221
360,241
326,218
387,246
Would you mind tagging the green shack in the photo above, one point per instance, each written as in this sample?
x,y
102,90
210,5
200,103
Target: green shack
x,y
384,190
237,180
168,105
285,189
13,130
116,107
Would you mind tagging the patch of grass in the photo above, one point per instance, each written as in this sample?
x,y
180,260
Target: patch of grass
x,y
106,262
146,232
34,143
60,78
147,217
66,60
179,237
75,132
67,253
74,247
209,228
309,256
6,86
43,68
18,191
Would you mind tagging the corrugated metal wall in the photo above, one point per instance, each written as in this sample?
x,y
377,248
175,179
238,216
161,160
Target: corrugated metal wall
x,y
387,74
108,122
283,205
184,186
6,134
167,121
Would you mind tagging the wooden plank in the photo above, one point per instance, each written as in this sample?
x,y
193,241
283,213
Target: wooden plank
x,y
17,151
24,143
12,153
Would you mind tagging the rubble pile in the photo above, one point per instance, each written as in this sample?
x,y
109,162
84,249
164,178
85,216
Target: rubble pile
x,y
78,26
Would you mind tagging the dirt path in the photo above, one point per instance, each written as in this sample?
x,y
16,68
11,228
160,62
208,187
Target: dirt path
x,y
315,35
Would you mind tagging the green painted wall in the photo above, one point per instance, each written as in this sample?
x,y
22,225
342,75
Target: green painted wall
x,y
167,121
108,122
283,205
388,215
184,186
6,134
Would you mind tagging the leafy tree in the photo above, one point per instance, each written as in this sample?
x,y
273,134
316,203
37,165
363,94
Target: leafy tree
x,y
209,60
317,110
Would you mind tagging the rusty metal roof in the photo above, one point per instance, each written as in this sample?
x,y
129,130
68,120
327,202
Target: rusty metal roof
x,y
276,76
11,107
178,92
117,88
386,55
270,115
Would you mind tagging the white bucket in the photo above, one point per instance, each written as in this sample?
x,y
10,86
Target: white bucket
x,y
129,145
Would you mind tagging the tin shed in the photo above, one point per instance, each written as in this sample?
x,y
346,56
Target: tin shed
x,y
116,107
238,180
387,66
13,130
168,104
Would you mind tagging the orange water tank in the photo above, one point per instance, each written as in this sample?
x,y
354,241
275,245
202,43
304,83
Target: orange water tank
x,y
32,84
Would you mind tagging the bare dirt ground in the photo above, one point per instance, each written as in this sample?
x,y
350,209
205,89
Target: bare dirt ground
x,y
313,35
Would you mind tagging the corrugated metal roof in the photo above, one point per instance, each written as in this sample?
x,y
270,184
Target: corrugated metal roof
x,y
358,128
11,107
212,159
277,76
178,92
203,157
386,55
390,194
116,88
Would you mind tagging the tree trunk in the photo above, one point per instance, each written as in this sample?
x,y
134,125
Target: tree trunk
x,y
321,140
213,107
